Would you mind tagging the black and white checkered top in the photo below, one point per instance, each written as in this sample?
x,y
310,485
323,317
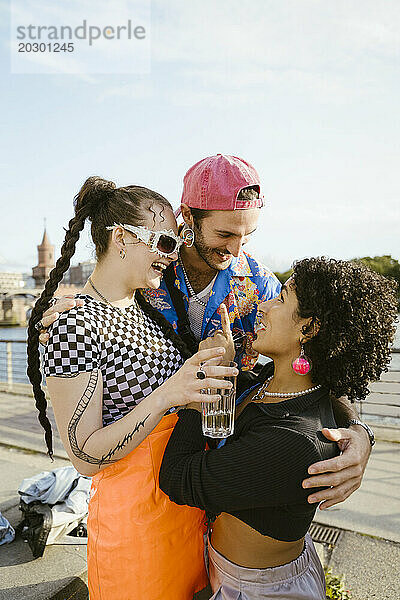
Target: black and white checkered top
x,y
130,349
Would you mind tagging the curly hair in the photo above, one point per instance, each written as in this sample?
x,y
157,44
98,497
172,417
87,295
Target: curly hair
x,y
102,203
356,310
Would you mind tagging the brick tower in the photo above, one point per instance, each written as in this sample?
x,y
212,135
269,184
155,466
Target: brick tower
x,y
46,263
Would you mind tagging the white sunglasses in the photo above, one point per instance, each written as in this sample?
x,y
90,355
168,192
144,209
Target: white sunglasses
x,y
164,242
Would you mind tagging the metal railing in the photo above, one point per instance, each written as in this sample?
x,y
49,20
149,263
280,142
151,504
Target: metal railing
x,y
13,362
381,406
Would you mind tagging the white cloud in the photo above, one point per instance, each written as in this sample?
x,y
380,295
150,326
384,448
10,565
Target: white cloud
x,y
332,50
93,54
138,90
309,34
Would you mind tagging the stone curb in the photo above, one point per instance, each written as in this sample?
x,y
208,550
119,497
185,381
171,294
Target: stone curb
x,y
33,450
75,590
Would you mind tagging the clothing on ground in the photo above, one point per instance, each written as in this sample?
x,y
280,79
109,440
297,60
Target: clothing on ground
x,y
65,491
7,533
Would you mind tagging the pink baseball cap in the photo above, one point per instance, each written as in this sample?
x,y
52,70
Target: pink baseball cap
x,y
215,182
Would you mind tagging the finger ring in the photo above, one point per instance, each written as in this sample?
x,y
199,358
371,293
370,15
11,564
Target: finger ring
x,y
216,331
39,326
200,373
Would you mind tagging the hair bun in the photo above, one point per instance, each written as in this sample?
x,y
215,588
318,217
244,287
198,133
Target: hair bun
x,y
94,192
100,185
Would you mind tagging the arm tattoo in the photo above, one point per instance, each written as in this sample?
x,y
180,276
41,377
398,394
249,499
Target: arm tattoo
x,y
83,403
106,457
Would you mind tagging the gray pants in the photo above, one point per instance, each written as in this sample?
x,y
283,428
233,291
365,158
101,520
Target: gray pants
x,y
301,579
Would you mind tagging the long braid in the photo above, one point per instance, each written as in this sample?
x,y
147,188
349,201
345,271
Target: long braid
x,y
103,204
88,201
75,226
164,325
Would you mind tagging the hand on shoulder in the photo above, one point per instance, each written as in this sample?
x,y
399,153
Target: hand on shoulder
x,y
63,304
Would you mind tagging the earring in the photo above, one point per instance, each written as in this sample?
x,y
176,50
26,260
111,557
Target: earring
x,y
122,254
302,364
188,237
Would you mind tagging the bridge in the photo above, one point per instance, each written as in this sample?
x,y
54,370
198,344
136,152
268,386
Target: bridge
x,y
16,303
20,292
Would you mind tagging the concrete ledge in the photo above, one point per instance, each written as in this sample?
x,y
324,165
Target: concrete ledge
x,y
21,389
386,433
75,590
22,447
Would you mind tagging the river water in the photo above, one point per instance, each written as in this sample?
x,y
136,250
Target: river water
x,y
19,351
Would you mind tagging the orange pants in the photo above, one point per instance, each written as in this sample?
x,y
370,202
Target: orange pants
x,y
142,546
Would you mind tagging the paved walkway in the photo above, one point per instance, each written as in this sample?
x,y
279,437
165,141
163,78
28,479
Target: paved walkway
x,y
367,553
62,569
19,425
375,508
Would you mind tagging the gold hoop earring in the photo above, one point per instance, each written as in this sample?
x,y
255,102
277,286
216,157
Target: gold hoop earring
x,y
122,254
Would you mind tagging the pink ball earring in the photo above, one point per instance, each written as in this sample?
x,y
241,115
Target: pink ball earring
x,y
302,364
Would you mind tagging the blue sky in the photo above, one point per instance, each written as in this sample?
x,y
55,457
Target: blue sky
x,y
306,90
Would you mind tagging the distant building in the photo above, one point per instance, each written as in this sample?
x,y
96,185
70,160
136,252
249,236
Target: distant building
x,y
46,261
29,282
13,311
11,281
21,290
78,274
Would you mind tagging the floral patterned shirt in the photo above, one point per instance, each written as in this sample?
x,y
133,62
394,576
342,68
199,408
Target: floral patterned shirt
x,y
242,287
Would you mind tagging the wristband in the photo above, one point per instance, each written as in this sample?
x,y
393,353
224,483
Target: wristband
x,y
366,427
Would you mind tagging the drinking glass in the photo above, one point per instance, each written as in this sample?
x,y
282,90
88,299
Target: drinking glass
x,y
218,418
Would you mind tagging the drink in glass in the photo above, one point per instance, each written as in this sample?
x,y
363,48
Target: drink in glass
x,y
218,417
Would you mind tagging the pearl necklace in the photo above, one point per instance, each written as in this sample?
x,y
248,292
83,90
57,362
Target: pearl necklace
x,y
262,392
120,310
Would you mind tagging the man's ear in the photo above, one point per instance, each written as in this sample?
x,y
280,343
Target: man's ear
x,y
187,215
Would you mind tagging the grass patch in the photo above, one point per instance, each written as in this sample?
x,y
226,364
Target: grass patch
x,y
335,587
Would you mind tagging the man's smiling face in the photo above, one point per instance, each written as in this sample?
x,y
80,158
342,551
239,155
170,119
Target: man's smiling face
x,y
220,235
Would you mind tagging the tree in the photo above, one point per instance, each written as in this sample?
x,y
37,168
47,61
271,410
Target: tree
x,y
385,265
284,276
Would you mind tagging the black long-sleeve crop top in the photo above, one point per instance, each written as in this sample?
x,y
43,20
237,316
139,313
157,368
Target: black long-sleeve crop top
x,y
256,476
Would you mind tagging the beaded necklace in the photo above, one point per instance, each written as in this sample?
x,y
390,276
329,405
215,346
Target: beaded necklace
x,y
262,392
191,291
